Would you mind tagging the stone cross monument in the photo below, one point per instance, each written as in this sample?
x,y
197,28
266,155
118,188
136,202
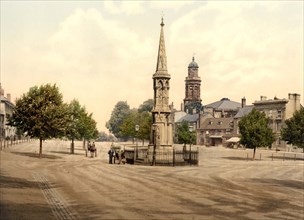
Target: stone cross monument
x,y
161,135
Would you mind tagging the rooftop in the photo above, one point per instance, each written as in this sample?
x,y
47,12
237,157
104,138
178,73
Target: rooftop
x,y
224,104
244,111
217,123
189,118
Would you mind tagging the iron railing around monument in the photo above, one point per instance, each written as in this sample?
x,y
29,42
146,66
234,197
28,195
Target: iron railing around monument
x,y
164,157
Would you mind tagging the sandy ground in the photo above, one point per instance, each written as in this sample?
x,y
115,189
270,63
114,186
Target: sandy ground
x,y
224,186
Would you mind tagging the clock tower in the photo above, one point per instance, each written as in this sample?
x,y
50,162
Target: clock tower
x,y
192,101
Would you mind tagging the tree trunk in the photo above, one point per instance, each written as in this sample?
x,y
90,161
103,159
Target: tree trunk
x,y
40,147
72,146
84,142
254,153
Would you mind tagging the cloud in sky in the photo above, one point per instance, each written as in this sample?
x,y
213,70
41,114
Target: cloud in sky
x,y
104,52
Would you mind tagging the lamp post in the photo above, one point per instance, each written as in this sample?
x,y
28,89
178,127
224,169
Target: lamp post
x,y
155,142
190,130
136,129
207,138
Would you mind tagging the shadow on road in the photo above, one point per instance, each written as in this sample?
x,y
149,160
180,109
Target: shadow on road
x,y
236,158
290,157
65,152
280,183
36,155
11,210
14,182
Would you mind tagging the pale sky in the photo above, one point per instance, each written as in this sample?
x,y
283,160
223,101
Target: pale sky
x,y
104,52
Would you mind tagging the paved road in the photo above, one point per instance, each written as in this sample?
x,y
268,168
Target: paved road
x,y
224,186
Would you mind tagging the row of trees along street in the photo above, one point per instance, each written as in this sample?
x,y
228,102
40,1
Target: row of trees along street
x,y
41,113
123,121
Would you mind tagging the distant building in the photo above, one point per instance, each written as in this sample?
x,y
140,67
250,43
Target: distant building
x,y
278,110
214,131
215,124
6,109
241,113
223,108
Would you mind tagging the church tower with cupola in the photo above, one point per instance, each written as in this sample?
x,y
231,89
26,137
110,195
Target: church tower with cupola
x,y
192,101
161,135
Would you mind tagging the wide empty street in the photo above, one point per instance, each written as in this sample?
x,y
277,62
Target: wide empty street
x,y
225,185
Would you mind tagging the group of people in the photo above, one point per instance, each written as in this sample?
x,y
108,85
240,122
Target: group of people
x,y
92,148
114,153
118,155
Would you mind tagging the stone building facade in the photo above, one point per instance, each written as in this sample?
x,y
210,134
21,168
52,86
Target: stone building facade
x,y
215,131
278,110
6,109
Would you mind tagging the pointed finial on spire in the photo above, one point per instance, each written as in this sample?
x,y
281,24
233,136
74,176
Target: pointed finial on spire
x,y
162,20
193,57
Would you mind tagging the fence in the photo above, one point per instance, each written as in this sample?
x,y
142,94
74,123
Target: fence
x,y
5,143
163,157
276,156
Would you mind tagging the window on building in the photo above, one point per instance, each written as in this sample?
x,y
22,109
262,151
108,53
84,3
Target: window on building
x,y
278,126
270,114
279,114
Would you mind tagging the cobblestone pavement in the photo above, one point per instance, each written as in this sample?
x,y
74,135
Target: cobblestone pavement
x,y
224,186
57,203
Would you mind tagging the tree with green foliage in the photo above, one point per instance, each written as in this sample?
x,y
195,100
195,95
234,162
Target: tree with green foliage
x,y
40,113
103,136
143,120
87,127
74,124
293,131
255,131
147,106
184,135
120,112
127,128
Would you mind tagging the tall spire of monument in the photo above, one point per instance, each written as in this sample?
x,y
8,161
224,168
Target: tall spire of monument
x,y
161,67
162,121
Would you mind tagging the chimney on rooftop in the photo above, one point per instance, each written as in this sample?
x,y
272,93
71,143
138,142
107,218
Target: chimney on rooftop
x,y
263,98
9,97
243,102
1,90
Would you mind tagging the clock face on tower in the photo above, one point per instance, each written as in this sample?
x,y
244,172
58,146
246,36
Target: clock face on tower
x,y
192,71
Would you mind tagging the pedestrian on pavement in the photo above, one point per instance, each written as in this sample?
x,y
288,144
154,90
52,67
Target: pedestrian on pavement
x,y
93,149
119,156
114,156
110,153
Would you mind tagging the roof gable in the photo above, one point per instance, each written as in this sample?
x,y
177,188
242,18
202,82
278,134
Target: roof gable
x,y
217,123
189,118
224,104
